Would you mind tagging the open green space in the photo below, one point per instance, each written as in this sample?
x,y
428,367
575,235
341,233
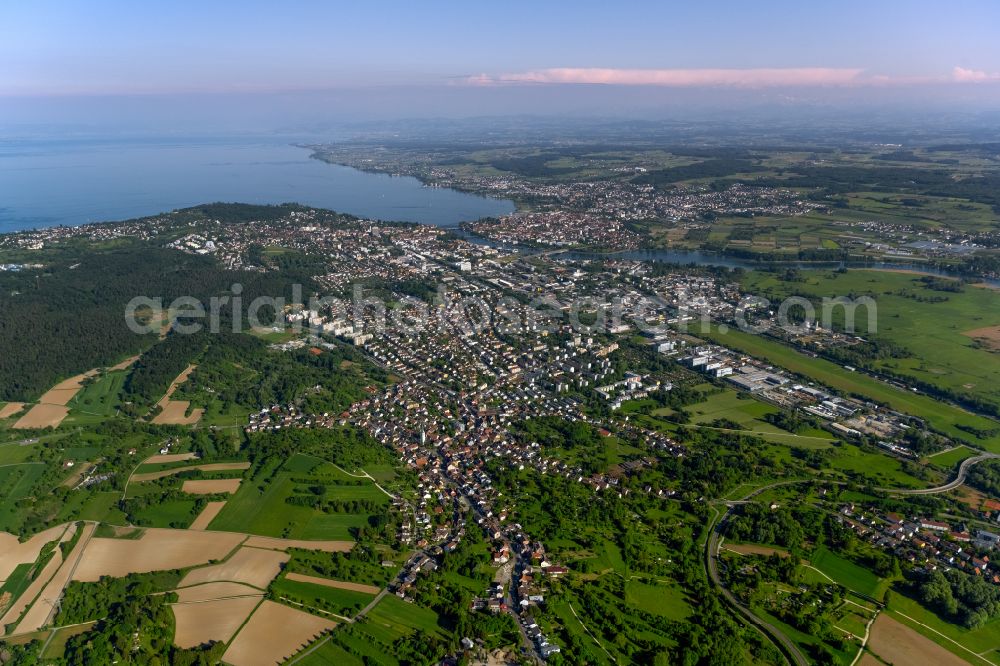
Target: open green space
x,y
845,572
102,395
331,599
265,504
935,326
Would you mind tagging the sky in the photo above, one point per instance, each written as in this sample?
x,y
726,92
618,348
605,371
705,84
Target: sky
x,y
451,57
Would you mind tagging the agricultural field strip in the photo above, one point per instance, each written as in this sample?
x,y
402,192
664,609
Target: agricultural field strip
x,y
338,584
43,609
206,467
34,590
938,633
257,643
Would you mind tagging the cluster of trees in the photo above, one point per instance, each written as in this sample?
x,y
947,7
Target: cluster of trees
x,y
69,317
964,599
361,564
349,447
985,477
789,526
83,602
792,421
137,630
531,166
719,167
240,370
354,506
157,368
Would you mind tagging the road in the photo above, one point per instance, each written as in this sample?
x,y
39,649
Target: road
x,y
789,648
963,472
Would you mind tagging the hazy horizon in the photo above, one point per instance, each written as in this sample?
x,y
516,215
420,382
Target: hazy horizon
x,y
306,68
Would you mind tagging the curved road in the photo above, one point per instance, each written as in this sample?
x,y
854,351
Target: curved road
x,y
791,651
963,471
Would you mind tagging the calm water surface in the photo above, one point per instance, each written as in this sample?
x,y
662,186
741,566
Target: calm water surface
x,y
48,183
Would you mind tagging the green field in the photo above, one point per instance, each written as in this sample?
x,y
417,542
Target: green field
x,y
56,645
177,513
15,453
397,618
15,483
666,601
102,396
845,572
334,600
330,653
913,315
259,506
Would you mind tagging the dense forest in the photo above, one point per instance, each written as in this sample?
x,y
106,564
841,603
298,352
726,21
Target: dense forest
x,y
69,317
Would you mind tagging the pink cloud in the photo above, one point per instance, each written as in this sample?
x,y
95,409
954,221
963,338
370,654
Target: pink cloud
x,y
748,78
963,75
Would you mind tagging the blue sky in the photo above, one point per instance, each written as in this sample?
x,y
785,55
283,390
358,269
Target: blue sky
x,y
152,46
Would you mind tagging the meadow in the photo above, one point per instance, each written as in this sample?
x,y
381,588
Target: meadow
x,y
260,506
911,313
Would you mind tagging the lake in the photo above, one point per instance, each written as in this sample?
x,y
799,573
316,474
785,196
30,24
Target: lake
x,y
45,183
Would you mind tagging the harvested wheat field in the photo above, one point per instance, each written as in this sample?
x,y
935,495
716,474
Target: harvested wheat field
x,y
13,552
169,458
207,515
39,615
10,409
124,364
339,584
63,392
156,550
868,660
207,467
754,549
252,566
175,412
274,633
284,544
895,643
203,621
210,486
989,336
42,416
33,590
210,591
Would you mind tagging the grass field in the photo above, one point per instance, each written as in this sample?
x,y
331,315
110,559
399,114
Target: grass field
x,y
663,600
15,483
259,506
330,653
15,453
100,506
172,513
934,332
395,618
845,572
949,460
57,644
102,396
339,601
